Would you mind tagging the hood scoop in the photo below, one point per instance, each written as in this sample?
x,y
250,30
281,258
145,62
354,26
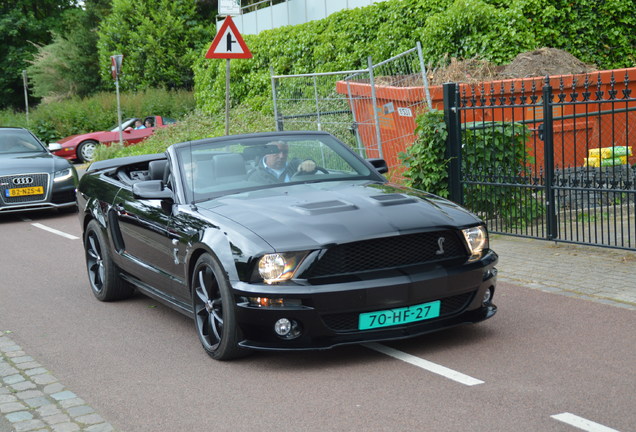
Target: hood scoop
x,y
392,199
324,207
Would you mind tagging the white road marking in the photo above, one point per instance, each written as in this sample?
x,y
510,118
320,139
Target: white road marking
x,y
425,364
54,231
581,423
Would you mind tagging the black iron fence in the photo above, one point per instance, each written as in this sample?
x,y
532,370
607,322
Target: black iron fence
x,y
550,158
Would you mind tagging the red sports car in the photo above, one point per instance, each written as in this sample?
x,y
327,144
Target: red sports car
x,y
82,147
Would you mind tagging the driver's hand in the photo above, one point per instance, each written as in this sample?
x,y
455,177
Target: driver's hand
x,y
307,166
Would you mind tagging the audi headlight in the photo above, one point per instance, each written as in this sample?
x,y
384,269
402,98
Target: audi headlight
x,y
477,241
63,175
279,267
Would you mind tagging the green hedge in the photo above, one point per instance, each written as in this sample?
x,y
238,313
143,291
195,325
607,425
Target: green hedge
x,y
495,30
55,120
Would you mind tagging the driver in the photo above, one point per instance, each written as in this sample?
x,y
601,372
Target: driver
x,y
275,168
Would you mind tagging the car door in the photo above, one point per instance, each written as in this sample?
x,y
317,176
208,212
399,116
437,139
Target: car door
x,y
148,242
136,135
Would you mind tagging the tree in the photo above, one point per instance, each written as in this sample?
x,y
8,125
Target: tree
x,y
69,66
158,38
24,23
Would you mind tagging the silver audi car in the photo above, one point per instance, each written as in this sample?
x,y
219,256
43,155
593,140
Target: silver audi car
x,y
31,178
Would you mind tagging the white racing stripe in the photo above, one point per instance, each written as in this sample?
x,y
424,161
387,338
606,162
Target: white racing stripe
x,y
54,231
425,364
581,423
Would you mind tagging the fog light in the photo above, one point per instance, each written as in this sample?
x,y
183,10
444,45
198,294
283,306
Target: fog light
x,y
282,327
287,329
487,296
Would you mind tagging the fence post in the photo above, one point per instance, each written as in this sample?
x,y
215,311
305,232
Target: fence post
x,y
374,101
316,97
279,121
453,142
424,77
548,152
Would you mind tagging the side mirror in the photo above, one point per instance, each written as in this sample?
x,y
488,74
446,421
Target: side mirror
x,y
53,147
151,189
379,164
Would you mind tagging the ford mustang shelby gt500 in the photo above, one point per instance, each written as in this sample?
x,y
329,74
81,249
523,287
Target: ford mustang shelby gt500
x,y
283,241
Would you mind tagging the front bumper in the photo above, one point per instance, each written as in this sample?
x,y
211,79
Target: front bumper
x,y
59,196
328,314
68,154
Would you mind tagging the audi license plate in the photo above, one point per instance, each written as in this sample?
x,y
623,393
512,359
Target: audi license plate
x,y
16,192
392,317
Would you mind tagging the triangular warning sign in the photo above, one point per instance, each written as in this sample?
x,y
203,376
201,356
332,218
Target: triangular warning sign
x,y
228,43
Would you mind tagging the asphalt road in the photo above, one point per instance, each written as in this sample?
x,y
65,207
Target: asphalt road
x,y
140,366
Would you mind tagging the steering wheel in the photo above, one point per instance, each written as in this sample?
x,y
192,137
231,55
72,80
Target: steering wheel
x,y
304,173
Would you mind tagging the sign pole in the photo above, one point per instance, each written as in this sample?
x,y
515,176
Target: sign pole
x,y
121,138
227,96
115,69
26,94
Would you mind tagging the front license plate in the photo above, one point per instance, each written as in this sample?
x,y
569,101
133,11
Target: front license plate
x,y
392,317
16,192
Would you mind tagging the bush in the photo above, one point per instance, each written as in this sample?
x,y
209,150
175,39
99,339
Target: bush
x,y
495,154
196,125
55,120
425,162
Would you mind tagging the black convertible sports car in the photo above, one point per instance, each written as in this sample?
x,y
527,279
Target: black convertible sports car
x,y
31,178
283,241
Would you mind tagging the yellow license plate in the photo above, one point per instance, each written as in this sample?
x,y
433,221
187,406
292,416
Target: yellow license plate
x,y
34,190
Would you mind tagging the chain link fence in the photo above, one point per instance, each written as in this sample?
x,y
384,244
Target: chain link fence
x,y
372,110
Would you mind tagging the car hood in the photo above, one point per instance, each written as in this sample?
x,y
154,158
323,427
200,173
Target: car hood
x,y
81,137
22,163
314,215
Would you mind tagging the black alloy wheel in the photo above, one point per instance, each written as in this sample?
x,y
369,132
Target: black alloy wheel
x,y
103,274
214,311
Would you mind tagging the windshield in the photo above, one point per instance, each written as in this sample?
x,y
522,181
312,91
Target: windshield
x,y
126,123
19,141
212,169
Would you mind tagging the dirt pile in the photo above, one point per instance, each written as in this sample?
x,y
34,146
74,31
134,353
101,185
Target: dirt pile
x,y
545,61
537,63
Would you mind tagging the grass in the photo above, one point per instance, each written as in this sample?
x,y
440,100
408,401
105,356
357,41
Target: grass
x,y
194,126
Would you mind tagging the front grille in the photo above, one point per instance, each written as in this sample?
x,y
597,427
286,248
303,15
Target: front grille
x,y
6,183
389,252
349,321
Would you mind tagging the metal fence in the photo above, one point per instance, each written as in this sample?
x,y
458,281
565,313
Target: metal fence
x,y
549,158
563,167
373,110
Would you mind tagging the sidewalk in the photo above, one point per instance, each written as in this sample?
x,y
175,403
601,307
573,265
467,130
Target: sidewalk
x,y
32,399
598,274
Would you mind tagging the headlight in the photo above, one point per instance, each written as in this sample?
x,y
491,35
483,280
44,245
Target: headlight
x,y
279,267
63,175
477,241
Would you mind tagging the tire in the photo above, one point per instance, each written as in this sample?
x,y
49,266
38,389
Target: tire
x,y
103,274
86,151
215,311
